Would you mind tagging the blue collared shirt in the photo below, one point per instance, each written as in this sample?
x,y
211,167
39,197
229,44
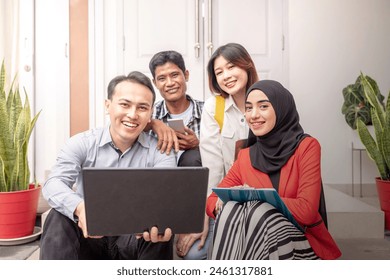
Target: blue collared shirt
x,y
94,148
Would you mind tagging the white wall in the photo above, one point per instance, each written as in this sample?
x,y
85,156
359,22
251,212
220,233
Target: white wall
x,y
330,42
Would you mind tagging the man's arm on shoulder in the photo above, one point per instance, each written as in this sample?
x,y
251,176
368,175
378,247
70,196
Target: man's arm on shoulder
x,y
166,136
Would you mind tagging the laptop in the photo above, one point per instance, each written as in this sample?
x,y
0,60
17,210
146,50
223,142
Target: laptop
x,y
132,200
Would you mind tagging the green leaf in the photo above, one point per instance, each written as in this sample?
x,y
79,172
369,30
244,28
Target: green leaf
x,y
16,127
386,149
386,136
372,99
2,79
352,95
356,104
372,148
14,109
375,87
3,183
352,113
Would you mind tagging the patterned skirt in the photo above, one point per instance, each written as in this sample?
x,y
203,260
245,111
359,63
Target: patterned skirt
x,y
256,231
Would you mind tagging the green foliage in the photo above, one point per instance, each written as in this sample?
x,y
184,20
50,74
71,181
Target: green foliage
x,y
378,148
356,104
16,126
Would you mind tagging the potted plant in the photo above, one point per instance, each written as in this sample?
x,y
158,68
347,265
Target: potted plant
x,y
378,147
18,198
356,104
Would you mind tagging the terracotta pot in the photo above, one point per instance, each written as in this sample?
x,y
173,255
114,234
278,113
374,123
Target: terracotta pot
x,y
383,188
18,212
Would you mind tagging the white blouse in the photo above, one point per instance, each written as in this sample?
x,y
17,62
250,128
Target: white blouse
x,y
217,149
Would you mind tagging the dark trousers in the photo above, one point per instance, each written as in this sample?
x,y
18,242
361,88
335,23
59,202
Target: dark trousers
x,y
62,239
190,158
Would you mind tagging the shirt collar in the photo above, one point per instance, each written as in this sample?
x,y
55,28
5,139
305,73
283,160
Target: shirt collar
x,y
164,110
229,102
143,140
106,137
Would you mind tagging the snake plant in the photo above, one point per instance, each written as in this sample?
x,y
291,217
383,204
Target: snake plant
x,y
356,104
378,148
16,126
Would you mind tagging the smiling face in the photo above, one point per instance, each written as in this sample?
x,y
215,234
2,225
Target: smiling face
x,y
259,113
171,82
130,110
230,78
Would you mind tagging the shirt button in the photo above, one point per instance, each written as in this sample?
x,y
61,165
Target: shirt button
x,y
242,120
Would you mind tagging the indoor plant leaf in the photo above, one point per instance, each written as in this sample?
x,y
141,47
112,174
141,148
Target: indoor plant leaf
x,y
372,99
16,127
352,113
371,147
378,149
386,136
3,184
352,95
355,103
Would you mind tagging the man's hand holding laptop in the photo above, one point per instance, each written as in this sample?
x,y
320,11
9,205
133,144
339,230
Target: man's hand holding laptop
x,y
152,235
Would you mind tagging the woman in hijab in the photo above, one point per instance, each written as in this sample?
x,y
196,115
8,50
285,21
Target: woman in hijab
x,y
283,157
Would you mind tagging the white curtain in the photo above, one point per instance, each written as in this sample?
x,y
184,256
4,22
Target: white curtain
x,y
9,36
17,49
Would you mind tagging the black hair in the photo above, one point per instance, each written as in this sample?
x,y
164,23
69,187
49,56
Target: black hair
x,y
135,77
166,56
239,56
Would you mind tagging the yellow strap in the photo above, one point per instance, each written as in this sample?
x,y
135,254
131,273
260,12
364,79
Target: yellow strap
x,y
219,110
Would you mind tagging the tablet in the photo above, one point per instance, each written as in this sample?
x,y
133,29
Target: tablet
x,y
244,194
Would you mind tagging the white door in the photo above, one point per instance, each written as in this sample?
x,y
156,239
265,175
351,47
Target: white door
x,y
195,28
255,24
151,26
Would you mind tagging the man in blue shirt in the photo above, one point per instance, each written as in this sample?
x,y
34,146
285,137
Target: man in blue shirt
x,y
120,144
